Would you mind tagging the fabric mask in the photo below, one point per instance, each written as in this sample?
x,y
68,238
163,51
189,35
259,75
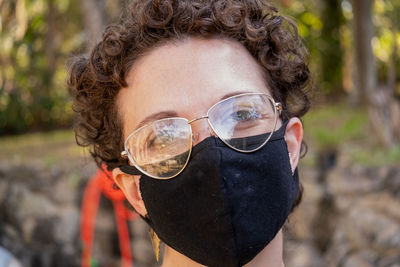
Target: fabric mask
x,y
226,206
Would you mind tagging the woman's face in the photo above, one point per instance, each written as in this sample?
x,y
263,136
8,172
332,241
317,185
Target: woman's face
x,y
184,79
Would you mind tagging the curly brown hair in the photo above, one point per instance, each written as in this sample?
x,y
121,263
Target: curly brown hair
x,y
95,81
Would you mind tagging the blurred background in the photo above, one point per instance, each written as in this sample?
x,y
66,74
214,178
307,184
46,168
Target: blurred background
x,y
350,214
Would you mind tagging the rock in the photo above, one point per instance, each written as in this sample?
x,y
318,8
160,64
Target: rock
x,y
392,182
359,260
36,229
66,230
364,228
3,190
61,192
28,226
344,181
37,205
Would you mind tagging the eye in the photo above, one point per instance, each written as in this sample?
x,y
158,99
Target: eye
x,y
246,115
159,139
150,140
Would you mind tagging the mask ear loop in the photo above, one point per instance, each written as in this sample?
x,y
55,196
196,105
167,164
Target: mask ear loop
x,y
155,241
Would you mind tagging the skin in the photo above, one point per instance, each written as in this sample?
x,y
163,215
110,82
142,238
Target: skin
x,y
188,77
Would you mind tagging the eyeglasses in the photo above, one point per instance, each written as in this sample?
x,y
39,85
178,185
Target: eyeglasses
x,y
162,148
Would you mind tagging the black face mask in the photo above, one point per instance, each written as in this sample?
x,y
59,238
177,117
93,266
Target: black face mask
x,y
226,206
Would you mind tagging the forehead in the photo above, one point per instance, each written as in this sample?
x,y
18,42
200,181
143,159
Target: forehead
x,y
187,77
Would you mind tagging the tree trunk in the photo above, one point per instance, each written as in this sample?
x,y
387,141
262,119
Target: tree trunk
x,y
331,58
365,73
394,105
94,17
51,46
384,109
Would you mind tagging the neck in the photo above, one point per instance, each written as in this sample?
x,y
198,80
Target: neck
x,y
173,258
270,256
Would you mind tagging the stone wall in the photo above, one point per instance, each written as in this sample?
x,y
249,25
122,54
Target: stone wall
x,y
40,217
350,216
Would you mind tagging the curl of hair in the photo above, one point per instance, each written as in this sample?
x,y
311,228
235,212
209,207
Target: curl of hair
x,y
95,81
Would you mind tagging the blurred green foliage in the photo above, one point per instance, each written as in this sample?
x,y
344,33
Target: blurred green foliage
x,y
49,148
376,156
36,37
326,29
319,24
336,126
333,125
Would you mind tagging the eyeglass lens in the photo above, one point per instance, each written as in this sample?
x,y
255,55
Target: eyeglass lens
x,y
236,119
162,148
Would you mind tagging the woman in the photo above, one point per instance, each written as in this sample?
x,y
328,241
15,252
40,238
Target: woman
x,y
194,107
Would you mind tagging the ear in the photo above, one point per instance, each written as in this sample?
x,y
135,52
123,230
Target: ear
x,y
129,184
293,138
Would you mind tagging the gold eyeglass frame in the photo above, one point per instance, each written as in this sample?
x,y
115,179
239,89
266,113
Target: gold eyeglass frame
x,y
125,154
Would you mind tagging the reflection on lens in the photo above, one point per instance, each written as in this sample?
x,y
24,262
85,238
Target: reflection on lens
x,y
162,148
168,167
244,122
249,143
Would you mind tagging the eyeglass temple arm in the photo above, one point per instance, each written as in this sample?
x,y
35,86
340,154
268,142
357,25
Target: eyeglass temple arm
x,y
128,169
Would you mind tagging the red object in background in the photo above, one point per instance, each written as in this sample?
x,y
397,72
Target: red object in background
x,y
102,183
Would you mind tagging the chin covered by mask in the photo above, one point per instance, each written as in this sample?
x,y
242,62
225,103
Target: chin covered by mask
x,y
226,206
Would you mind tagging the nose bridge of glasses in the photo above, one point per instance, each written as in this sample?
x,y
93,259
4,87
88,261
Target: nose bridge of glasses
x,y
197,119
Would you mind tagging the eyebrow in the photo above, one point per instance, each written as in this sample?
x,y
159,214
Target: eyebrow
x,y
233,94
171,113
157,116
